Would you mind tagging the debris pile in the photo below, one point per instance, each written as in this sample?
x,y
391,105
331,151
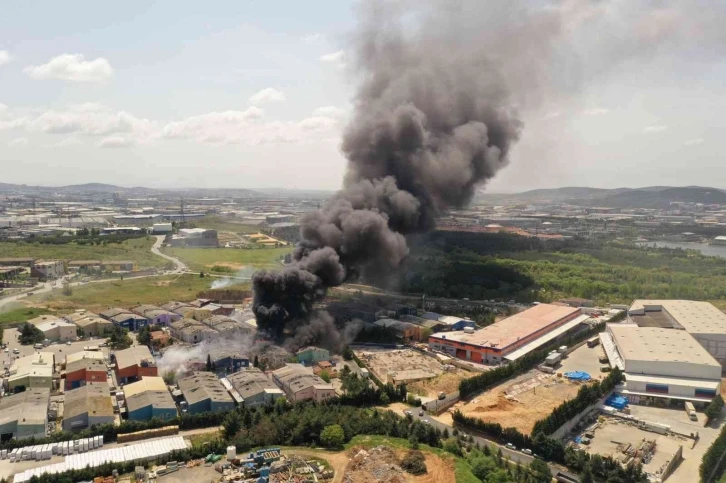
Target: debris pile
x,y
380,464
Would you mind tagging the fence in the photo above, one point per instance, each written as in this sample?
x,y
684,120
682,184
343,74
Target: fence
x,y
438,406
563,430
677,457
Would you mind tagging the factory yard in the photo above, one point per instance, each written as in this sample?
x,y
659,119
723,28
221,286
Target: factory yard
x,y
584,359
423,375
518,403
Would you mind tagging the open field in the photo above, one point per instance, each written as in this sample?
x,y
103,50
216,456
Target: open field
x,y
137,250
234,258
21,314
224,224
533,396
124,293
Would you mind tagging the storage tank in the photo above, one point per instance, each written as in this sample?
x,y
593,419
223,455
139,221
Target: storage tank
x,y
231,452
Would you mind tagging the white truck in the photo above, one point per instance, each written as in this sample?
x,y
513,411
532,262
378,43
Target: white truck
x,y
691,411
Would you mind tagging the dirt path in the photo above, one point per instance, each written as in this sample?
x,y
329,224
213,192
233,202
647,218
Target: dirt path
x,y
338,461
438,469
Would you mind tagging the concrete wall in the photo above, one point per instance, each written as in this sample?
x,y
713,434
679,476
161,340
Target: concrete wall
x,y
673,369
715,344
673,389
562,431
26,430
324,394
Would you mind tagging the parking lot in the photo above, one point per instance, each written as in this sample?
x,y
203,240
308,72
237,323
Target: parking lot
x,y
583,359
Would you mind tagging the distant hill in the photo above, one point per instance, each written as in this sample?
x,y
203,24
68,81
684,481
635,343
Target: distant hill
x,y
103,188
645,197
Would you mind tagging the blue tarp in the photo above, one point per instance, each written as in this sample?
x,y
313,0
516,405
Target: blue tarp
x,y
578,376
578,439
617,401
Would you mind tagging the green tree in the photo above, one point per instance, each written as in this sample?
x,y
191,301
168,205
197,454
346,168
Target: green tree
x,y
325,376
30,334
144,335
118,338
67,290
414,462
714,408
540,471
332,436
347,354
451,445
232,424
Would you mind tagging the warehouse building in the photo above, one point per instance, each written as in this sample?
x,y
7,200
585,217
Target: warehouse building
x,y
705,322
311,355
24,415
87,406
48,269
156,315
511,338
300,384
203,392
252,387
32,371
58,330
149,398
448,322
125,318
91,324
134,363
661,363
84,368
405,331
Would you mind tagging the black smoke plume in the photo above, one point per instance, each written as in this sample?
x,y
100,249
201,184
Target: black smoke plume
x,y
433,120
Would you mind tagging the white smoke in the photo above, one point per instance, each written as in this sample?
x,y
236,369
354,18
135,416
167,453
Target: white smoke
x,y
242,275
179,360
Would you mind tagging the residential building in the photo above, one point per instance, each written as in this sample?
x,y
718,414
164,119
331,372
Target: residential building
x,y
35,370
300,384
203,392
311,355
84,368
25,415
87,406
134,363
149,398
252,387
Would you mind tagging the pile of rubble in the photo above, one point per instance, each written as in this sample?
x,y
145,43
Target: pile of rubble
x,y
379,464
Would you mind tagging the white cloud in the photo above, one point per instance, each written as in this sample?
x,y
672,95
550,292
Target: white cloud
x,y
89,107
5,57
72,67
655,128
694,142
69,141
329,111
552,115
598,111
318,123
3,107
313,38
18,142
90,122
333,58
115,142
213,127
266,95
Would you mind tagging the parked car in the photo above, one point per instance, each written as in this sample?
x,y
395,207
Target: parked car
x,y
527,451
16,351
68,342
421,413
511,446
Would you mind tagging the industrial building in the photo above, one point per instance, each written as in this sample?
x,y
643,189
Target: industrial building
x,y
87,406
149,398
405,331
228,361
252,387
300,384
511,338
58,330
48,269
134,363
24,415
661,363
35,370
448,322
195,237
92,325
702,320
85,367
203,392
310,355
124,318
156,315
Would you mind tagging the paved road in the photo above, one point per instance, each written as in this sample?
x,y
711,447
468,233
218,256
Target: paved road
x,y
179,266
515,456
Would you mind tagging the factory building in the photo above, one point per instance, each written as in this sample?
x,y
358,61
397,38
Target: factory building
x,y
124,318
405,331
661,363
149,398
91,324
48,269
84,368
252,387
195,237
87,406
300,384
134,363
156,315
31,371
24,415
58,330
310,355
702,320
203,392
511,338
448,322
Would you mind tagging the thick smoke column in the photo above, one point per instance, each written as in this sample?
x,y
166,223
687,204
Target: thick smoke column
x,y
429,126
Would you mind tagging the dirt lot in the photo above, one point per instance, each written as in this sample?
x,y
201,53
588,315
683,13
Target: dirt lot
x,y
532,397
385,361
382,464
201,474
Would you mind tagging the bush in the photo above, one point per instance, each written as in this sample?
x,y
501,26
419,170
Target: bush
x,y
714,408
332,436
414,462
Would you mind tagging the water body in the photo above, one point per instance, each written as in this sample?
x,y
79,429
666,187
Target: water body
x,y
704,248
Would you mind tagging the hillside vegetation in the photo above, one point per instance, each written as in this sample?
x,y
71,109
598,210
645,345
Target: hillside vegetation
x,y
485,266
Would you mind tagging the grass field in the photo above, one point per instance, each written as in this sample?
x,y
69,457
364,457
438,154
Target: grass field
x,y
224,224
232,258
124,293
21,314
137,249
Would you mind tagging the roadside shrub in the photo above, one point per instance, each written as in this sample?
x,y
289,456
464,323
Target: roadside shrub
x,y
414,462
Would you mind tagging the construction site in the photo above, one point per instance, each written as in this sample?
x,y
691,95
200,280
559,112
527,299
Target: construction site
x,y
519,403
382,463
423,374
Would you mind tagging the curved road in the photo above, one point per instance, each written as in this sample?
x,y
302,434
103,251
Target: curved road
x,y
178,264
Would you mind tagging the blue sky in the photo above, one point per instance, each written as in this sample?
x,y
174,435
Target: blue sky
x,y
256,93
